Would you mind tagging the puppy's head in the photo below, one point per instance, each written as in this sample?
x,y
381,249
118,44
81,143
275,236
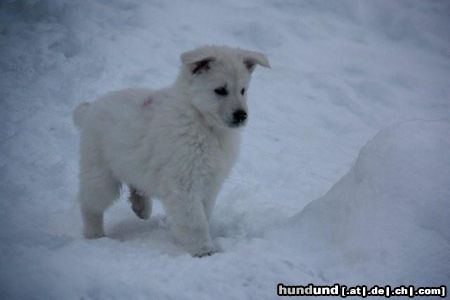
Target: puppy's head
x,y
218,80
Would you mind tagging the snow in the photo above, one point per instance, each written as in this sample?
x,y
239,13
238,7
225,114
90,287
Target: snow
x,y
387,219
341,72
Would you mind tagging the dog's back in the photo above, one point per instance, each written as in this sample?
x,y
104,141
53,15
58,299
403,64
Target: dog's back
x,y
116,128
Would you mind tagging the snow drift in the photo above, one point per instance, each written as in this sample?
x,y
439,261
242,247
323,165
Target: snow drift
x,y
387,220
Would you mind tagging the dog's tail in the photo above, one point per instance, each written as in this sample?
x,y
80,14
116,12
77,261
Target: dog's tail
x,y
79,114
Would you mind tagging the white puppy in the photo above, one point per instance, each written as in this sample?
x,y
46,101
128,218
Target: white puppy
x,y
177,144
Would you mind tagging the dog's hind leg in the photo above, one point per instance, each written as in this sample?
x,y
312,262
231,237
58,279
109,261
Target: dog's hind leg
x,y
140,203
98,190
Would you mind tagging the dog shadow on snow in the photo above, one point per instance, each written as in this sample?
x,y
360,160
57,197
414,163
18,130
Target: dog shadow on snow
x,y
156,231
134,229
153,233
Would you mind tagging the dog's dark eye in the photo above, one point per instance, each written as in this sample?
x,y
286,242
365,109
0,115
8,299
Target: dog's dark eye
x,y
222,91
243,91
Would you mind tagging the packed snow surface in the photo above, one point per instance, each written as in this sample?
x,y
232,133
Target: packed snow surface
x,y
344,175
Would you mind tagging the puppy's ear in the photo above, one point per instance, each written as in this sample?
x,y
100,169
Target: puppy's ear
x,y
252,58
197,60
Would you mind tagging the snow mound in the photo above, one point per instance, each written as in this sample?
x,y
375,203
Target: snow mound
x,y
387,219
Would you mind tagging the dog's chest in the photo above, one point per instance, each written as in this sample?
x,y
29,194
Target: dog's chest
x,y
208,155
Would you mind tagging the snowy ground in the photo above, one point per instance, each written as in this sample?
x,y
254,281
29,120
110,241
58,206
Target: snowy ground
x,y
341,72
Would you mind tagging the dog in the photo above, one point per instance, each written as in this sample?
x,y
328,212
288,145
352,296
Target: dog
x,y
177,144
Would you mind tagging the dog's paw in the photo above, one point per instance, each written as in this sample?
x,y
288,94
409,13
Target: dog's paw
x,y
140,204
93,234
141,209
204,251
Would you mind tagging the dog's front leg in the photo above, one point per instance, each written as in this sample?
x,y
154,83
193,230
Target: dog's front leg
x,y
209,199
189,223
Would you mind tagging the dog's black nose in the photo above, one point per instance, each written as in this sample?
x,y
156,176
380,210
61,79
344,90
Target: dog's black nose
x,y
239,116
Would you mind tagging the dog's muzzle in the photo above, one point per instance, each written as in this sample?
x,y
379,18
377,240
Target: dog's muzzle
x,y
239,118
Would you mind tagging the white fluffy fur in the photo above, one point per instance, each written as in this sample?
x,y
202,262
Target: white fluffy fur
x,y
176,144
